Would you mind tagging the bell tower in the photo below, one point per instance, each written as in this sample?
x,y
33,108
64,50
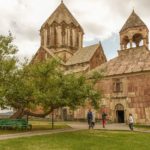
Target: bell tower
x,y
134,33
61,33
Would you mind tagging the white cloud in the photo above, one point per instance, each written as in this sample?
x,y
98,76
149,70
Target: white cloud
x,y
99,18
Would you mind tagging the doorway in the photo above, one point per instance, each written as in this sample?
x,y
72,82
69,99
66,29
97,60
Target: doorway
x,y
120,114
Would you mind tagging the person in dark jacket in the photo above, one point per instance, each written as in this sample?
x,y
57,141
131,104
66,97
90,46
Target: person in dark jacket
x,y
89,118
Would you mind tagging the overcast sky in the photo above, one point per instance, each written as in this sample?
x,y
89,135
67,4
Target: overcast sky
x,y
100,19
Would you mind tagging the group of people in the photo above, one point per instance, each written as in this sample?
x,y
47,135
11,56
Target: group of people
x,y
91,119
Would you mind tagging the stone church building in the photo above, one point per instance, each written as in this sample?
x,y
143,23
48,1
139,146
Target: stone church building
x,y
126,82
126,85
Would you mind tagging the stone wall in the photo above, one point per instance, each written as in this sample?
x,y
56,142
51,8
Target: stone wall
x,y
97,59
135,96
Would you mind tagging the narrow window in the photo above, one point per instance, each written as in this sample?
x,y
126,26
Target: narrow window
x,y
117,86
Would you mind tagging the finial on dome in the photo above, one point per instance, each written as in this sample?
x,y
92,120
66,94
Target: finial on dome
x,y
61,1
133,10
133,5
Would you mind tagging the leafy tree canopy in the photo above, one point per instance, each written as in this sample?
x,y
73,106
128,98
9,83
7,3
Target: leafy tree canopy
x,y
41,84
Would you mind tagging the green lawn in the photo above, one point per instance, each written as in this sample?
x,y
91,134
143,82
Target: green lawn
x,y
82,140
38,125
146,127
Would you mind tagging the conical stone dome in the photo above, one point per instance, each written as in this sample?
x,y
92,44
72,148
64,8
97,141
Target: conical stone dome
x,y
133,21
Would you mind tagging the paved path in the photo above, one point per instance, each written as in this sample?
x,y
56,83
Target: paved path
x,y
114,126
35,133
99,126
76,126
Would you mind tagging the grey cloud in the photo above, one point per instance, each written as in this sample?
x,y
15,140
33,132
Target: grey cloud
x,y
95,28
25,32
18,17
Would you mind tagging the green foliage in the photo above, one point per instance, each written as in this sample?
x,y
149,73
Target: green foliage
x,y
41,84
53,89
20,91
7,65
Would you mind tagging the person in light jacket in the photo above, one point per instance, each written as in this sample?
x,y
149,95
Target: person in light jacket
x,y
93,120
131,121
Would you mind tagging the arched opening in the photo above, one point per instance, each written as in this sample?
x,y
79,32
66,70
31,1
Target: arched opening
x,y
125,42
137,39
141,43
120,113
133,44
128,45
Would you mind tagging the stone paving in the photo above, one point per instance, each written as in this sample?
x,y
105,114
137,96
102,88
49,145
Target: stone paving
x,y
99,126
113,126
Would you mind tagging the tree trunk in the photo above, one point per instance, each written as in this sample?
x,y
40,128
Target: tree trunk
x,y
52,119
20,113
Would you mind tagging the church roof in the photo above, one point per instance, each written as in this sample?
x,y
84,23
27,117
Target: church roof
x,y
84,54
133,21
129,61
62,14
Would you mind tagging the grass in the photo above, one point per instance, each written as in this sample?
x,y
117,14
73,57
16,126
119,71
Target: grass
x,y
38,126
146,127
82,140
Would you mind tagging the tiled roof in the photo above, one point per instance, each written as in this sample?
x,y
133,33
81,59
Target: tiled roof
x,y
133,21
83,55
62,14
129,61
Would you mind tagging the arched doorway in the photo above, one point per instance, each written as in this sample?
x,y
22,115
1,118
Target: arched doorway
x,y
120,113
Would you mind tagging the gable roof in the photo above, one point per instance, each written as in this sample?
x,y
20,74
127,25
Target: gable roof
x,y
62,14
83,54
50,52
130,61
133,21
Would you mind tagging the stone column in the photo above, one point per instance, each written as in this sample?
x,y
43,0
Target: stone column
x,y
55,36
80,39
68,37
145,42
45,38
130,43
59,37
42,38
121,46
71,39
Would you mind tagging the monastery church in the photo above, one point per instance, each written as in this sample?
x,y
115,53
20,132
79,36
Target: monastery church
x,y
126,82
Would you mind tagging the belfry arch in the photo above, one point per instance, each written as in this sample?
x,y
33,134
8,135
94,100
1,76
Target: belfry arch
x,y
125,42
137,38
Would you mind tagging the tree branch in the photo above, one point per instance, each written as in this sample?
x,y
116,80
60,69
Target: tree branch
x,y
42,115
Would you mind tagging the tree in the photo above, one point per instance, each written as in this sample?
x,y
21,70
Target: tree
x,y
41,84
7,65
44,84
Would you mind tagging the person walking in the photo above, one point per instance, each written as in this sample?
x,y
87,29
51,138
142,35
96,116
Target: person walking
x,y
104,115
93,120
131,121
89,118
